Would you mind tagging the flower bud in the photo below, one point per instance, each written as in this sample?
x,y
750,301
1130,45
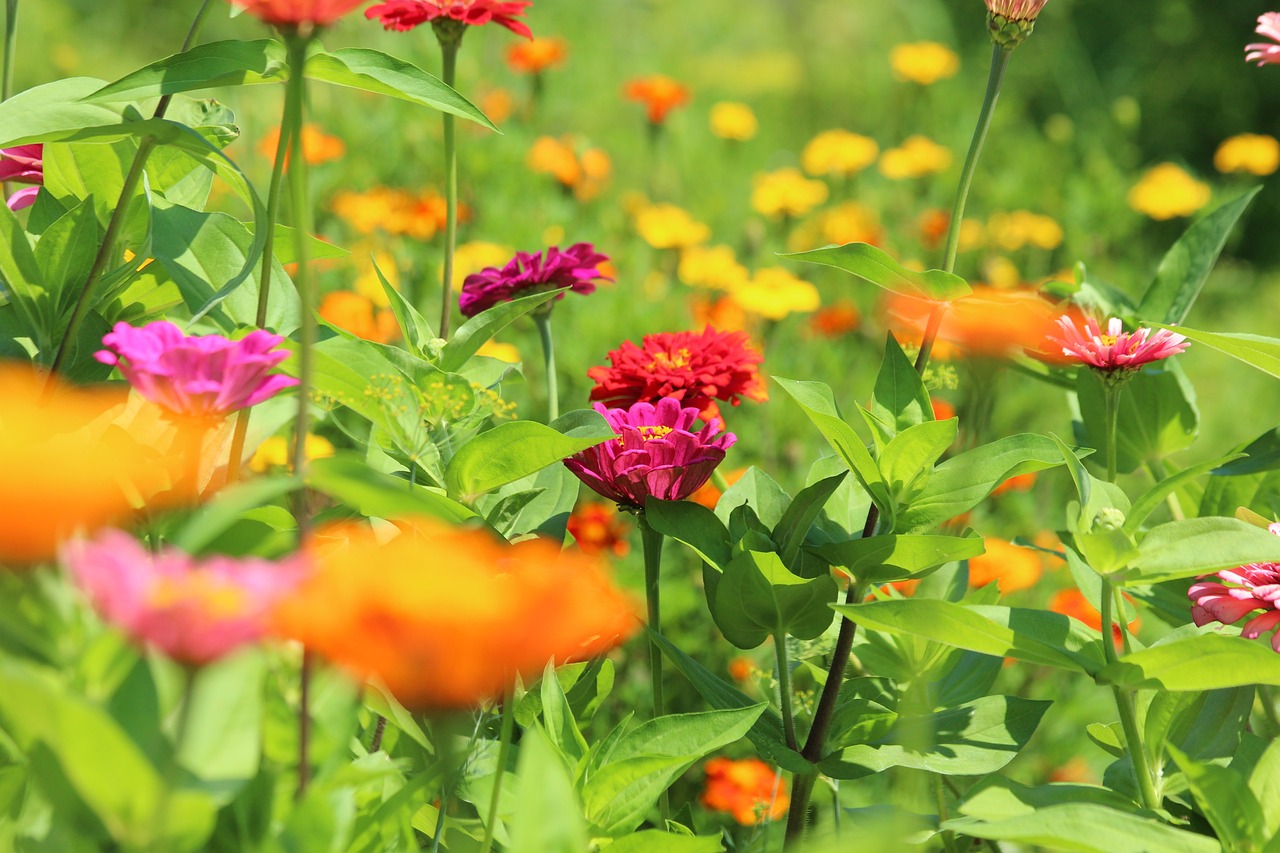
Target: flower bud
x,y
1108,519
1011,21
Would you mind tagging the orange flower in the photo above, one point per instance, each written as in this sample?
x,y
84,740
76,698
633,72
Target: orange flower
x,y
835,321
418,215
943,411
750,790
317,146
1071,602
584,173
497,104
1020,483
1013,567
659,93
709,494
599,528
990,322
356,313
741,668
447,618
536,55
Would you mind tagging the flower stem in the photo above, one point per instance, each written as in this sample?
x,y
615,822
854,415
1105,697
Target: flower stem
x,y
170,778
504,750
784,690
651,543
1111,394
542,319
449,50
10,48
1124,704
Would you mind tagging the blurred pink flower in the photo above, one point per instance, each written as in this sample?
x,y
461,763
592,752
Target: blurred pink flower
x,y
23,164
656,453
291,13
577,268
1255,586
1265,53
204,376
406,14
1117,349
1016,10
193,611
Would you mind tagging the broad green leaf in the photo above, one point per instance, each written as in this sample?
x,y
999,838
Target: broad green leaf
x,y
53,108
906,463
1157,416
557,718
1185,267
1226,801
477,331
1036,636
221,745
1087,828
355,484
1264,782
506,453
692,524
219,63
657,841
900,399
77,172
216,516
414,328
758,596
761,492
545,789
1198,546
22,280
793,527
1255,350
65,253
998,798
1156,495
878,267
878,559
1197,662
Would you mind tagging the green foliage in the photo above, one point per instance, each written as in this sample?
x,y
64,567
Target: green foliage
x,y
876,266
759,596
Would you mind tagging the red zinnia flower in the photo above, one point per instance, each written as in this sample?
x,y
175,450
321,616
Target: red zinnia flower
x,y
696,368
404,15
294,12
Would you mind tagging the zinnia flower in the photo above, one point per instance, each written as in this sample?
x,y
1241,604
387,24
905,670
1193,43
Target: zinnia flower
x,y
924,62
404,15
712,267
665,226
750,790
22,164
916,157
659,93
656,454
1237,593
773,293
1252,153
1117,349
989,321
1072,602
733,121
205,376
291,13
357,314
577,268
1265,53
1016,10
695,368
194,611
599,528
317,146
786,192
1012,567
838,152
536,55
1166,191
447,618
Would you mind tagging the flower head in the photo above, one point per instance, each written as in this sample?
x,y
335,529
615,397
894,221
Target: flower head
x,y
924,62
786,192
194,611
317,146
196,376
695,368
1166,191
1251,153
1072,602
838,320
773,293
583,172
23,164
357,314
1013,568
916,157
1016,10
536,55
599,528
712,267
291,13
1237,593
447,618
665,226
1117,349
989,322
1265,53
404,15
577,268
733,121
656,454
838,152
659,94
1010,22
276,453
750,790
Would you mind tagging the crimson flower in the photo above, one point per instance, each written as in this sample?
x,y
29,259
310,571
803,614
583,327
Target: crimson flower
x,y
404,15
656,454
1117,349
1255,586
23,164
577,268
1265,53
291,13
696,368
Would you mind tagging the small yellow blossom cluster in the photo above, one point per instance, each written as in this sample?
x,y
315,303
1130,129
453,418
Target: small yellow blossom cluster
x,y
733,121
579,168
916,157
923,63
1167,191
1015,229
1250,153
771,293
786,193
276,453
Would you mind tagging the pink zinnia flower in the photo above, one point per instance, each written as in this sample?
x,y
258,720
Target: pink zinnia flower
x,y
193,611
205,376
23,164
406,14
656,453
1117,349
291,13
1265,53
577,268
1247,588
1016,10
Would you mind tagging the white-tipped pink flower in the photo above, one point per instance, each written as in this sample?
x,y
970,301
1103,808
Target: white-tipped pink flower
x,y
1265,53
1116,349
1236,593
1016,10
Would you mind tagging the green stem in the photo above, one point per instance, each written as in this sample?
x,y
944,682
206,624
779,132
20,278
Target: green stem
x,y
449,49
542,319
651,543
1111,394
784,690
1124,704
172,768
940,796
10,48
504,750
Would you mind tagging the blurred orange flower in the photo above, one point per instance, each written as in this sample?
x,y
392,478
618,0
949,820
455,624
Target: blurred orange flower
x,y
599,528
1071,602
836,321
536,55
396,211
742,668
722,312
356,313
317,146
1013,567
944,411
989,322
1020,483
750,790
584,172
709,494
659,94
448,618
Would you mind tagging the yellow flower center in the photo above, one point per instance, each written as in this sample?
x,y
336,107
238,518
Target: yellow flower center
x,y
680,359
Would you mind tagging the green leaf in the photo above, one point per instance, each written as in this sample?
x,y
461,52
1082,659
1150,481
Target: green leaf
x,y
1198,662
545,789
349,480
759,596
1156,495
1185,267
692,524
414,328
1264,782
793,527
53,108
65,253
478,330
1254,350
900,399
1036,636
506,453
1226,801
221,745
22,280
1087,828
1157,416
757,490
907,461
1198,546
215,517
219,63
878,267
557,717
658,841
878,559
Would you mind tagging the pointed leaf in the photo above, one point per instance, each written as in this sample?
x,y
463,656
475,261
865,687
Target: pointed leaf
x,y
219,63
692,524
1198,546
878,559
1198,662
795,523
477,331
878,267
506,453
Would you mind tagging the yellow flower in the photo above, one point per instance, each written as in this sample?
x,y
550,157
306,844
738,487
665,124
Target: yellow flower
x,y
838,152
924,62
277,452
1252,153
916,157
1001,272
786,192
475,256
502,352
850,222
1166,191
367,283
665,226
712,267
1011,231
733,120
774,293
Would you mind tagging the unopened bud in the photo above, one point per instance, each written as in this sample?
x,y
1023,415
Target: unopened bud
x,y
1108,519
1011,21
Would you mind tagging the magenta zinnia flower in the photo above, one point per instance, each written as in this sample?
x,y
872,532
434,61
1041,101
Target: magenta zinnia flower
x,y
656,453
577,268
1117,349
205,376
193,611
1265,53
1246,589
23,164
406,14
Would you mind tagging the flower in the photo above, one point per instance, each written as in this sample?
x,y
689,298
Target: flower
x,y
23,164
401,212
742,668
989,321
1265,53
598,528
404,15
712,267
665,226
291,13
838,152
447,618
786,192
1013,567
659,94
357,314
923,62
500,351
709,493
944,411
695,368
836,321
733,121
195,612
474,256
750,790
657,453
1117,349
584,173
774,293
277,452
1011,231
1237,593
849,222
1016,10
1017,483
536,55
577,268
205,376
916,157
317,146
1252,153
1166,191
723,312
1072,602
